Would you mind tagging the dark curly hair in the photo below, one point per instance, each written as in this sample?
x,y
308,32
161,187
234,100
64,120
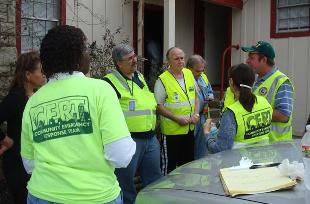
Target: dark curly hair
x,y
62,49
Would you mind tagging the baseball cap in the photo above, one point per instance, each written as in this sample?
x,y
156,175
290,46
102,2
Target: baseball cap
x,y
261,47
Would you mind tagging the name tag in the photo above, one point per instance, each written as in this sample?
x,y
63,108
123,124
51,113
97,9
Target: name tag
x,y
131,105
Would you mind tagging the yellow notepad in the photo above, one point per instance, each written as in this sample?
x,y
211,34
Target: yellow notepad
x,y
252,181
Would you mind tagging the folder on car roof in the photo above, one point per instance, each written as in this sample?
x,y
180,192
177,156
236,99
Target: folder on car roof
x,y
253,181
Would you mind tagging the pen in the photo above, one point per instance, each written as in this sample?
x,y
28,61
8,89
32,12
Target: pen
x,y
256,166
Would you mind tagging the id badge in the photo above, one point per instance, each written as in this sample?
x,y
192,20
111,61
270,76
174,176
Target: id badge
x,y
131,105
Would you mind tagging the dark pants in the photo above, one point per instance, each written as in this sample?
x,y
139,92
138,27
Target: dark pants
x,y
16,177
180,149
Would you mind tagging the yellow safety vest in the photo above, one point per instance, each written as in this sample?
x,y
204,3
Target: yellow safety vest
x,y
143,117
252,127
229,98
269,89
205,78
179,102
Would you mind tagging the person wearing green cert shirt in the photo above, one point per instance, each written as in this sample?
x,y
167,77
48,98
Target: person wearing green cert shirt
x,y
74,133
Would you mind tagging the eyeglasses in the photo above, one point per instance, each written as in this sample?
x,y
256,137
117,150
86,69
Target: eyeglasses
x,y
129,58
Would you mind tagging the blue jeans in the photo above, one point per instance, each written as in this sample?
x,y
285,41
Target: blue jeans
x,y
147,160
31,199
200,149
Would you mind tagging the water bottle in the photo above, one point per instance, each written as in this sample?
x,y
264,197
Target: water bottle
x,y
305,145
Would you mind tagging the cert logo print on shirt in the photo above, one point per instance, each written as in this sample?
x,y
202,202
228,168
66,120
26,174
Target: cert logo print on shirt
x,y
257,123
61,118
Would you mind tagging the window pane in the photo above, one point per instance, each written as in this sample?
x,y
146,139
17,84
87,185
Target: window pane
x,y
27,8
294,12
53,11
37,42
293,2
26,27
294,22
283,13
304,22
40,10
39,28
304,11
26,43
283,24
282,2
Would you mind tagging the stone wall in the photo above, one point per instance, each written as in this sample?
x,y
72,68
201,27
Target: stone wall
x,y
7,44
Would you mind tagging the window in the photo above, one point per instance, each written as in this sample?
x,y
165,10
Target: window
x,y
34,19
289,18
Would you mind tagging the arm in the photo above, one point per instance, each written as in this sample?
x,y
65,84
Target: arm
x,y
195,117
27,150
283,103
118,145
120,152
9,107
5,144
226,134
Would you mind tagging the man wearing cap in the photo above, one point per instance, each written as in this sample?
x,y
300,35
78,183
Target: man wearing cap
x,y
139,108
275,86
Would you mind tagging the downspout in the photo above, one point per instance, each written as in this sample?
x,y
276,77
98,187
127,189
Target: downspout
x,y
223,67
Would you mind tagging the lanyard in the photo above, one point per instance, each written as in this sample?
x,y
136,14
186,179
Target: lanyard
x,y
130,90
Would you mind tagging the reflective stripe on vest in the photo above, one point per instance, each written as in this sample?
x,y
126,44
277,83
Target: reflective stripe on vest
x,y
279,130
138,112
273,88
252,127
178,102
205,78
143,117
180,105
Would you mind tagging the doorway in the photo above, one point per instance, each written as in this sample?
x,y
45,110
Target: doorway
x,y
217,37
153,41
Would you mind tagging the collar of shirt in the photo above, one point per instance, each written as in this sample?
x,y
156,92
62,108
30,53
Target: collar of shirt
x,y
64,75
135,78
260,80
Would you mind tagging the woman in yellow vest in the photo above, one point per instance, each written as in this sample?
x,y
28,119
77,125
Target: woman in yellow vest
x,y
246,121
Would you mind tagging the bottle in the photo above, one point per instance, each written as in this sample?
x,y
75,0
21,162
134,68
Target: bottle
x,y
205,110
305,145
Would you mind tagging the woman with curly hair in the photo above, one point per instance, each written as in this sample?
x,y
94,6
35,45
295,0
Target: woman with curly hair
x,y
28,77
74,131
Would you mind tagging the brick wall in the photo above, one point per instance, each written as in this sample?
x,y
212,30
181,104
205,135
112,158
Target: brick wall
x,y
7,44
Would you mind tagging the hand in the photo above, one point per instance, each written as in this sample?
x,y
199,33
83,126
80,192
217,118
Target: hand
x,y
207,126
5,144
183,120
194,118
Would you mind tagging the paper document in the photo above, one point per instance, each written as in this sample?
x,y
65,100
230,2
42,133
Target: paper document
x,y
252,181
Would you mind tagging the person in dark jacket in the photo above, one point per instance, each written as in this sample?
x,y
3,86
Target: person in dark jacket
x,y
28,77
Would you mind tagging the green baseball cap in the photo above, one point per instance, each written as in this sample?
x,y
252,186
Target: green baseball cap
x,y
261,47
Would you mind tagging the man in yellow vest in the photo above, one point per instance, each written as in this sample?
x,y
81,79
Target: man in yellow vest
x,y
178,106
275,86
139,108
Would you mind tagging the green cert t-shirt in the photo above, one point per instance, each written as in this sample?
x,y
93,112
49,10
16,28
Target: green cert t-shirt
x,y
65,126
